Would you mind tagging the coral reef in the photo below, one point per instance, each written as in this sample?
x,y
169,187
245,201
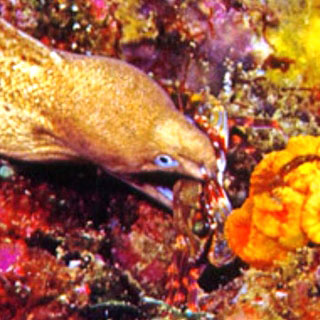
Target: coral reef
x,y
76,244
290,291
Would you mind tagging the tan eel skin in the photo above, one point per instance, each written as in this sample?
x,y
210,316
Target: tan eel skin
x,y
61,106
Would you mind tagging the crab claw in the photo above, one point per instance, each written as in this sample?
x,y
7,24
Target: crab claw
x,y
218,208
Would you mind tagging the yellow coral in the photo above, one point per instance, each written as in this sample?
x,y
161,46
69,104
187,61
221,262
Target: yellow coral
x,y
135,26
282,212
296,38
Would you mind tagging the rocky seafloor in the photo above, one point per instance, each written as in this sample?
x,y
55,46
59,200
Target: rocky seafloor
x,y
78,244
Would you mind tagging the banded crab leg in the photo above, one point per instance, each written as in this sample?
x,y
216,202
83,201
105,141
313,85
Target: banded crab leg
x,y
213,119
199,211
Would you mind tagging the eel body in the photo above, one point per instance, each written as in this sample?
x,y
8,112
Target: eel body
x,y
60,106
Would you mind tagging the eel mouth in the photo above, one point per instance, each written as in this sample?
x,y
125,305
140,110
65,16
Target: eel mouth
x,y
157,186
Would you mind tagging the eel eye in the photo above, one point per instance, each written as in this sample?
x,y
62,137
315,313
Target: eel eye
x,y
165,161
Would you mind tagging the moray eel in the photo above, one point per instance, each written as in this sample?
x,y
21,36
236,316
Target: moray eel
x,y
58,106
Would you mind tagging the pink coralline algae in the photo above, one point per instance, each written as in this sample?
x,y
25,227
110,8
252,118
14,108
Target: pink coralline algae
x,y
99,9
11,252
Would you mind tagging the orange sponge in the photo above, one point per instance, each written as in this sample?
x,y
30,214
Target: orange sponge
x,y
282,212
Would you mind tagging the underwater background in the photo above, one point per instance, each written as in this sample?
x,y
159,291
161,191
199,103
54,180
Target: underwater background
x,y
77,244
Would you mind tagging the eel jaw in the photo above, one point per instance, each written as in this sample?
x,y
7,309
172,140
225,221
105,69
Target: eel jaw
x,y
158,186
161,194
159,191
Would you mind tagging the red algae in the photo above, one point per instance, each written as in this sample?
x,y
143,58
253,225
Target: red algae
x,y
146,250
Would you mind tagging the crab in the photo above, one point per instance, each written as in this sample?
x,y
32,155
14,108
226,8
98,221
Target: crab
x,y
199,212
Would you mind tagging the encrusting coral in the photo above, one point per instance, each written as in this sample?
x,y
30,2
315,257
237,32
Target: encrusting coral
x,y
297,51
282,210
